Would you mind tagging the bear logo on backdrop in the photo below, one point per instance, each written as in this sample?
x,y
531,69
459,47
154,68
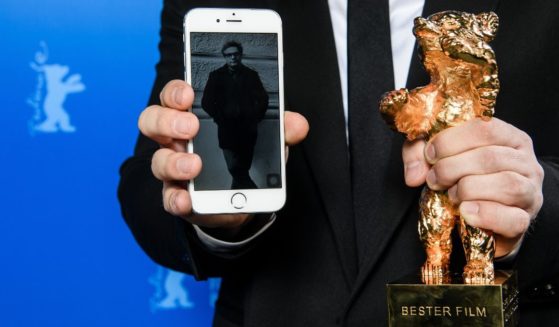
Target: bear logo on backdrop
x,y
51,89
171,293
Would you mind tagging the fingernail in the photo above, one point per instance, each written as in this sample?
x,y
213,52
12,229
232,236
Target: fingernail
x,y
183,165
182,126
430,153
470,210
411,169
173,202
432,177
178,95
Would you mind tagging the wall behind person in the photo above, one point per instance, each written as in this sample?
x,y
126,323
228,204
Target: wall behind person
x,y
74,77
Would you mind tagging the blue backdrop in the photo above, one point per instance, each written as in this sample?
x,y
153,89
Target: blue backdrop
x,y
74,77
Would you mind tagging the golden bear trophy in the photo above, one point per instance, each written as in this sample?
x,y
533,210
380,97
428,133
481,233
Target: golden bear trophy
x,y
464,85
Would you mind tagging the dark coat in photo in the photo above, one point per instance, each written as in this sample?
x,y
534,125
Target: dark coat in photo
x,y
237,101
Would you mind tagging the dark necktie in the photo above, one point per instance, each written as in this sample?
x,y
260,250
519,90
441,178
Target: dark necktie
x,y
370,75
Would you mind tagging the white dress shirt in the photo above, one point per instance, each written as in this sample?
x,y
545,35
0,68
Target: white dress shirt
x,y
402,14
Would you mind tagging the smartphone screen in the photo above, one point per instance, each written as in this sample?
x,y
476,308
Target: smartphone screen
x,y
235,77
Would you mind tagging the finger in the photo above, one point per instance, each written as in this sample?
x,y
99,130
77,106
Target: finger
x,y
163,124
508,188
176,145
510,222
479,161
176,199
415,166
473,134
296,127
168,165
177,94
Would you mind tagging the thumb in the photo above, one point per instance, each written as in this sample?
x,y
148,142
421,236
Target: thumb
x,y
296,127
415,165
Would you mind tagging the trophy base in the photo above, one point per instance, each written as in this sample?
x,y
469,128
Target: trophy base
x,y
413,303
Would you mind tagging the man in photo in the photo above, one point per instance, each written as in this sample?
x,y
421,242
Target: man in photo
x,y
237,101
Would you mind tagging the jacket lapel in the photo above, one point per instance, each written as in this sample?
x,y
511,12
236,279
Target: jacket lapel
x,y
311,68
395,198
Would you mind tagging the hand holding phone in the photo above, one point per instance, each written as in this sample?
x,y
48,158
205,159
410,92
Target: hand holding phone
x,y
171,125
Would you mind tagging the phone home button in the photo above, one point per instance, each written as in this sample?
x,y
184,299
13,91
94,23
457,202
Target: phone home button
x,y
238,200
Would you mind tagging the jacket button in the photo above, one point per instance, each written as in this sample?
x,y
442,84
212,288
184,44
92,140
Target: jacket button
x,y
549,290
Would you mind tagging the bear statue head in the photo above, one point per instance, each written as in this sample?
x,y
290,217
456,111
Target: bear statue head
x,y
458,35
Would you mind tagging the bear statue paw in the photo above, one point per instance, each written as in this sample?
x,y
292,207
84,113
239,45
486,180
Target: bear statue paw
x,y
391,103
479,273
393,100
432,274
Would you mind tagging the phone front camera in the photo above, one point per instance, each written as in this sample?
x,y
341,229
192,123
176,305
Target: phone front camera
x,y
233,14
217,20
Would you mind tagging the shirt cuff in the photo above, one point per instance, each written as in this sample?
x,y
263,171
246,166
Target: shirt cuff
x,y
217,245
509,257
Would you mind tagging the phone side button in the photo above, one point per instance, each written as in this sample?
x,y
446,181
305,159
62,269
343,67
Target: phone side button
x,y
238,200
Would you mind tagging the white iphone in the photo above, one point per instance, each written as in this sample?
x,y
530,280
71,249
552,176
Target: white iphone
x,y
234,62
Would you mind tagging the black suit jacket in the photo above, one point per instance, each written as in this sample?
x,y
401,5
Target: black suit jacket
x,y
305,270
